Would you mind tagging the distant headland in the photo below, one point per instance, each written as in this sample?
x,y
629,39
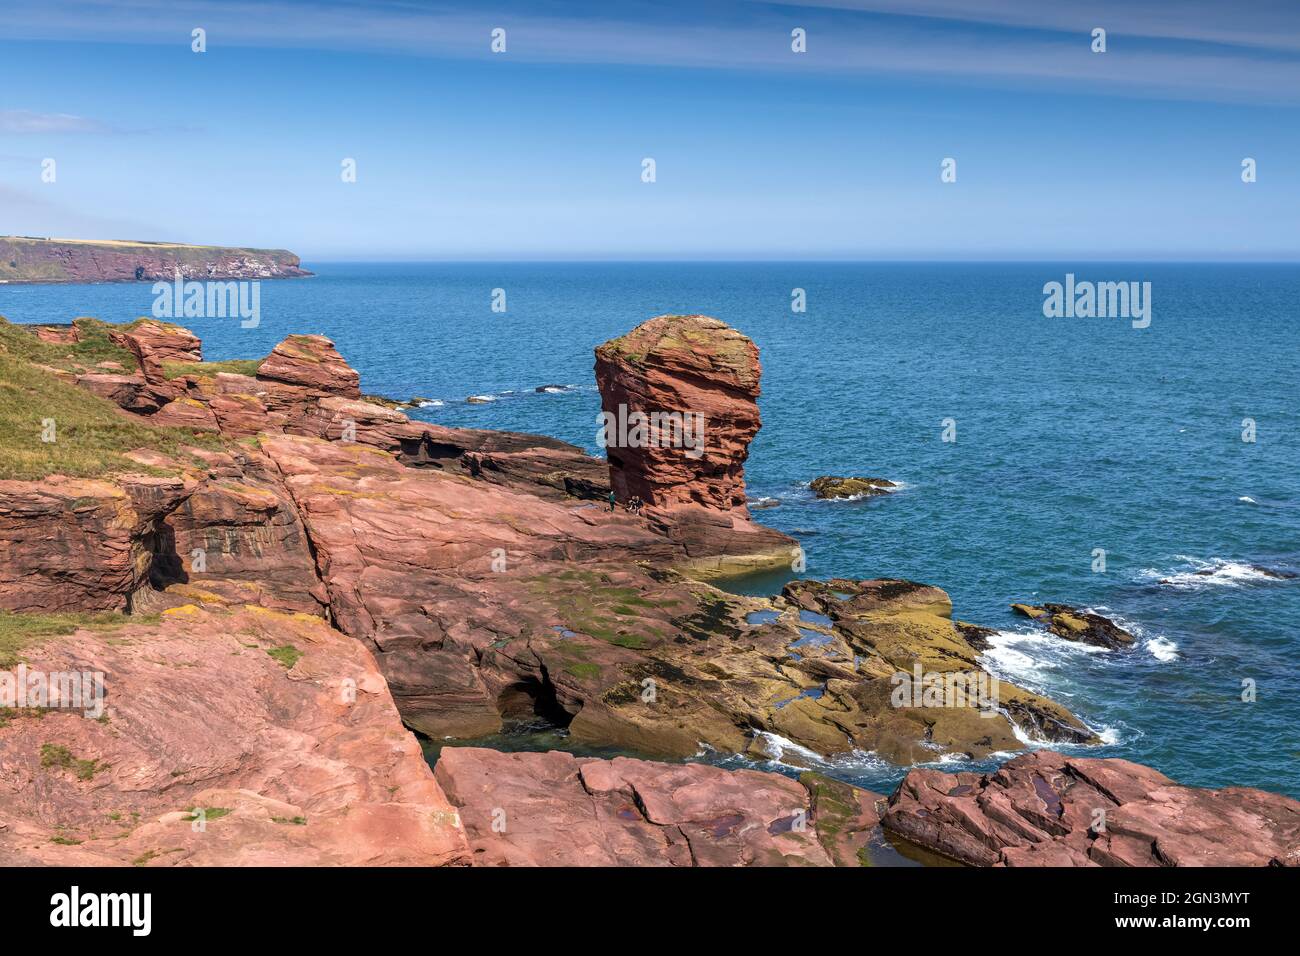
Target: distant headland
x,y
32,259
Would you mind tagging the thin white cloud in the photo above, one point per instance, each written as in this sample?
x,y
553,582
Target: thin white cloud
x,y
19,122
752,36
1265,24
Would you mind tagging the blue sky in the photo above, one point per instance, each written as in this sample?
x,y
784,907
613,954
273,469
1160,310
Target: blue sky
x,y
761,153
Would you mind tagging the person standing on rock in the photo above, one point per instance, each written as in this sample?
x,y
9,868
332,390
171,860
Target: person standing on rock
x,y
612,500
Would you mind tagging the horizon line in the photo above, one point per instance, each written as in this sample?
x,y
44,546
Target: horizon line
x,y
779,261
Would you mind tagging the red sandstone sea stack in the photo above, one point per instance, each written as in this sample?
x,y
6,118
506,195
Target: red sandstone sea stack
x,y
679,394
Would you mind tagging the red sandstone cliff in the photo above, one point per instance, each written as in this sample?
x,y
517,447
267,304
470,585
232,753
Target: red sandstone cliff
x,y
310,542
25,259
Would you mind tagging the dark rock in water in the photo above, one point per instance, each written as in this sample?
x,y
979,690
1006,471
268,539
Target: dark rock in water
x,y
762,503
976,636
1041,809
1275,573
830,486
551,388
1075,625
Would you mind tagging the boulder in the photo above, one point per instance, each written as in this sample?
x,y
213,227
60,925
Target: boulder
x,y
153,343
311,362
1047,809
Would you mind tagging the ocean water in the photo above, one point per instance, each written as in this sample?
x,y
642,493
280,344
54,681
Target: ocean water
x,y
1071,435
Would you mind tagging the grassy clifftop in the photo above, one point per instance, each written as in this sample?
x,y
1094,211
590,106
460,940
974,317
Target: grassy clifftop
x,y
31,259
92,435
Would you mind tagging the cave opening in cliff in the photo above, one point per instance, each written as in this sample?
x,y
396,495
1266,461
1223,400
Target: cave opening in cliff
x,y
532,704
165,565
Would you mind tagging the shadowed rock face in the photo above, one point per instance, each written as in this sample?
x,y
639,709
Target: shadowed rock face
x,y
567,811
688,469
1046,809
79,544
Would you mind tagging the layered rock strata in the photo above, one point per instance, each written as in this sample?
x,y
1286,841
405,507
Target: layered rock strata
x,y
1047,809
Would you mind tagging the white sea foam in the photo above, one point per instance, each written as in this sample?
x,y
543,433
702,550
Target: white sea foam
x,y
1031,656
787,753
1248,500
1216,572
432,403
481,398
1162,649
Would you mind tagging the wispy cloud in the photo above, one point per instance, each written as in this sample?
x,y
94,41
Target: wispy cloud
x,y
1265,24
19,122
1193,50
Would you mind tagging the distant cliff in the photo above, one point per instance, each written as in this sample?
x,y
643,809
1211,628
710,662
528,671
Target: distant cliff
x,y
74,260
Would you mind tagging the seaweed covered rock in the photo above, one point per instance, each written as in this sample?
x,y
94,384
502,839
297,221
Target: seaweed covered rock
x,y
829,486
1073,624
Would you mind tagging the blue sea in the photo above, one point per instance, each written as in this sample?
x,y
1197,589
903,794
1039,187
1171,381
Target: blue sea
x,y
1071,435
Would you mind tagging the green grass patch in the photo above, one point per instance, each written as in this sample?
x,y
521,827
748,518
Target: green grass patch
x,y
58,757
585,671
210,369
94,346
293,821
91,434
21,631
286,654
209,813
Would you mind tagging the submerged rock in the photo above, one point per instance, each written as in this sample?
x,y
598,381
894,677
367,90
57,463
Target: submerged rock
x,y
1046,809
1076,625
829,486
